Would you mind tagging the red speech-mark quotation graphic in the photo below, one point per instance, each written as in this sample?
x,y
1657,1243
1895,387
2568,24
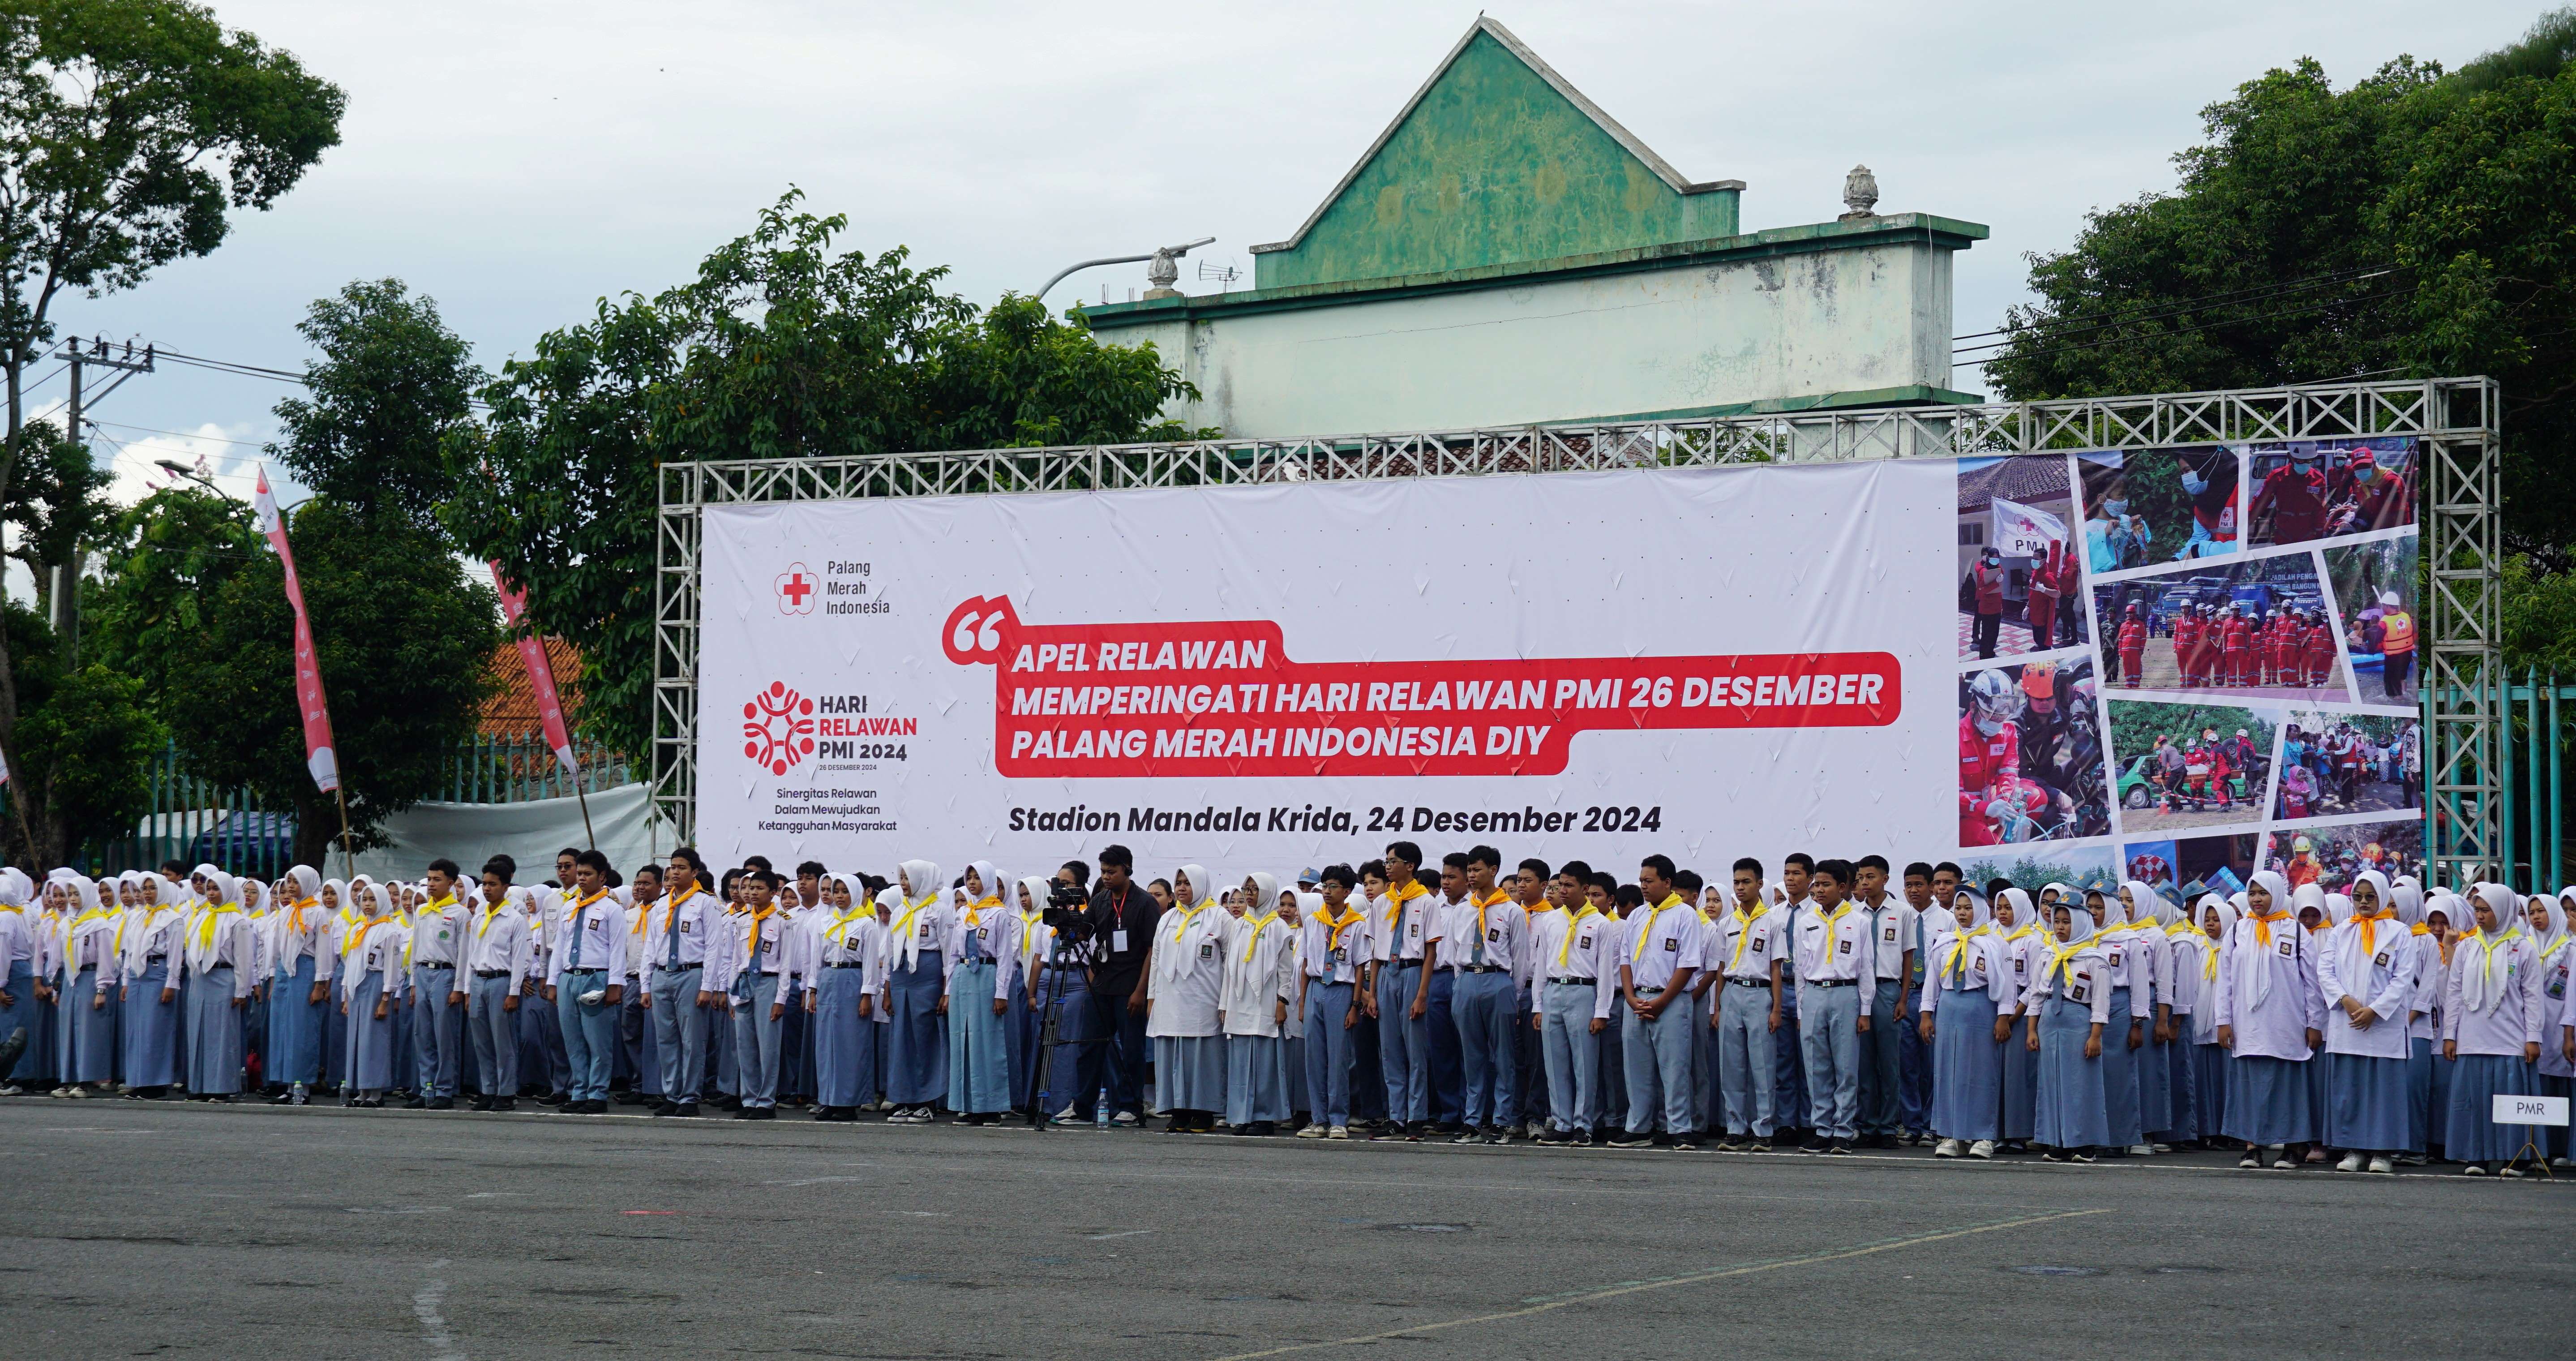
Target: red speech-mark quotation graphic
x,y
778,728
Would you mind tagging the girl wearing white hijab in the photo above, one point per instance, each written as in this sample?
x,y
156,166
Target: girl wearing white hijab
x,y
2366,972
1258,979
369,993
983,955
2445,913
2270,1016
2491,1032
89,972
2409,896
916,1076
151,991
2134,1069
2025,936
2071,1008
841,984
2548,917
217,974
1184,990
1028,899
1968,987
2196,966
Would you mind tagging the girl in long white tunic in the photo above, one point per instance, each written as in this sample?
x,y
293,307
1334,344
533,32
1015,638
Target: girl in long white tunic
x,y
2445,913
2187,950
2070,1010
151,990
1260,978
370,989
1968,1003
916,983
2270,1017
2491,1032
1184,987
2366,972
983,957
2548,917
841,980
2025,939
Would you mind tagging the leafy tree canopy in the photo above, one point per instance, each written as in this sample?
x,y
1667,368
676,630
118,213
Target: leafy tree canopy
x,y
391,383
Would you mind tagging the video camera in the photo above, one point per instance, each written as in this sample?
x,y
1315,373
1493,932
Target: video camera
x,y
1065,911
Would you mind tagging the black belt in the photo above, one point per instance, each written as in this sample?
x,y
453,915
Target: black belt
x,y
860,965
1833,982
1567,978
434,964
1480,968
1649,992
1749,982
1408,964
491,973
585,972
665,968
150,960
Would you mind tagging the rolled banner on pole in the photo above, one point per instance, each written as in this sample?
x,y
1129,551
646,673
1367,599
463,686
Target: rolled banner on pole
x,y
541,673
319,757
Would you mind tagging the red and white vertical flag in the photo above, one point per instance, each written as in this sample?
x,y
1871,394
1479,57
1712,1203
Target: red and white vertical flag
x,y
541,673
318,754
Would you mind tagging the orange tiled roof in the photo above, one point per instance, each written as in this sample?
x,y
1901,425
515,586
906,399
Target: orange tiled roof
x,y
512,708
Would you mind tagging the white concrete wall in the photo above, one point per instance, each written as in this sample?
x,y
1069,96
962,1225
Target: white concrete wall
x,y
1799,325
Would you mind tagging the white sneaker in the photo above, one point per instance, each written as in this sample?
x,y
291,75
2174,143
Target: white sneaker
x,y
13,1089
2163,1148
2383,1166
1065,1117
2351,1163
1983,1148
60,1092
1311,1132
1947,1148
1123,1118
2142,1150
76,1092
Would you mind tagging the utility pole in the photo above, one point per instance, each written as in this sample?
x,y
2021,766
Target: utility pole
x,y
63,578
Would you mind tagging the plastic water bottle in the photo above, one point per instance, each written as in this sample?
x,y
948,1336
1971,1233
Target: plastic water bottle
x,y
1100,1113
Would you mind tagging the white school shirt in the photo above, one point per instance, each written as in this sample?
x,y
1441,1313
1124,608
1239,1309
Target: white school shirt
x,y
1841,950
832,940
2514,1020
156,934
1745,949
994,934
2132,966
1574,945
2550,980
91,945
2432,979
599,926
1501,936
1185,980
380,948
1260,972
698,912
435,934
1892,932
18,936
638,915
1335,957
228,945
1659,941
917,931
2386,987
2278,1028
1401,929
2085,981
498,939
733,958
2026,951
1988,969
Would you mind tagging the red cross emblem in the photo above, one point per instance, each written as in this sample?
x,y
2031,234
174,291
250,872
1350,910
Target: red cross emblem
x,y
796,590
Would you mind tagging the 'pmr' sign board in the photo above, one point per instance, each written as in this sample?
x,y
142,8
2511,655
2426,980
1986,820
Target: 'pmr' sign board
x,y
2530,1110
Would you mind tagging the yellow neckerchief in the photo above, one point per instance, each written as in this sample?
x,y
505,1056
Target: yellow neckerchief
x,y
2558,945
1646,928
350,917
2489,944
1260,924
2263,925
2061,955
490,912
1958,970
445,901
643,914
975,909
860,909
96,914
206,922
751,957
1334,929
365,925
1398,897
903,924
295,914
1744,930
1191,914
2369,933
1841,910
1499,897
1573,921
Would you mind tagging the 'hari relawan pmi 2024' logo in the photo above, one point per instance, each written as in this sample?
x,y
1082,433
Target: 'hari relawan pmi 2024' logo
x,y
778,728
1222,697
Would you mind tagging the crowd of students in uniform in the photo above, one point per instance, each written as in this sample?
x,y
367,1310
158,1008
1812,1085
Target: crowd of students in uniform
x,y
1830,1008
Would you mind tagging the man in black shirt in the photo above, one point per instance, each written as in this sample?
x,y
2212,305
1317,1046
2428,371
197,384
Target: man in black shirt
x,y
1123,917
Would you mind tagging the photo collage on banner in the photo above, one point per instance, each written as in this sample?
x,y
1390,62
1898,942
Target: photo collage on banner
x,y
2181,665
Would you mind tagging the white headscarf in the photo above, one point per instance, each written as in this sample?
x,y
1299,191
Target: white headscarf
x,y
2338,909
2254,971
305,881
2546,943
926,882
2142,905
1265,894
2024,911
1202,887
990,875
1038,887
2482,958
1947,948
2408,897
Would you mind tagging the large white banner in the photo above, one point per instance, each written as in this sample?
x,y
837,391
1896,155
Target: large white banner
x,y
1704,663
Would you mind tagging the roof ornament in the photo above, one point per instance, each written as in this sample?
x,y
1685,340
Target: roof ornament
x,y
1860,194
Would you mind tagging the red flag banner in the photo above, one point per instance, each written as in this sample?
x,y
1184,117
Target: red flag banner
x,y
318,754
541,673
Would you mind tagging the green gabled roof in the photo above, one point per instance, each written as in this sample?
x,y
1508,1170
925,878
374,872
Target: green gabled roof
x,y
1495,160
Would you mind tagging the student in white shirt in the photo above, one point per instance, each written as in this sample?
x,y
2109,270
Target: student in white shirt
x,y
1485,935
1405,937
437,990
638,1064
371,984
2270,1017
753,970
841,979
2548,922
983,960
916,1061
1338,942
1882,1047
498,959
1835,965
2491,1027
214,950
299,985
1745,951
678,928
2070,1007
2025,940
1183,989
2366,970
90,969
151,972
586,981
1968,1001
1260,982
1662,949
1569,1001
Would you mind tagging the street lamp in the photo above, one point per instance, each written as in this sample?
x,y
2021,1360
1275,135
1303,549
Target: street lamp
x,y
1161,274
178,469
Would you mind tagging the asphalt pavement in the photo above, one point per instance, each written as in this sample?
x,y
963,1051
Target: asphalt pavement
x,y
167,1229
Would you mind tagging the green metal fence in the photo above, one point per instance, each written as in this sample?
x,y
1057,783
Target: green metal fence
x,y
2536,747
196,821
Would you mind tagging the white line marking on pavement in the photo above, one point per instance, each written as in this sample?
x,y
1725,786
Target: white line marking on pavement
x,y
1105,1237
433,1325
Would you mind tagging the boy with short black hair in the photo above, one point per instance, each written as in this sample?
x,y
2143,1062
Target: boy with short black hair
x,y
1661,952
1834,966
1882,1059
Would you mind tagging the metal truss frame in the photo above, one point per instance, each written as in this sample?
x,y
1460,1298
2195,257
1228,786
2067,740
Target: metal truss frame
x,y
2455,419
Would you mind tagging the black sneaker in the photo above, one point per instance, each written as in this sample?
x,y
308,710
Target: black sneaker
x,y
666,1108
1467,1136
1499,1135
444,1103
688,1110
555,1099
1418,1131
415,1104
1388,1134
1625,1140
481,1103
506,1104
760,1113
1843,1149
1757,1144
1258,1129
1815,1146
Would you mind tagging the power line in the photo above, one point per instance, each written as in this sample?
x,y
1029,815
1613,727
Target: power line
x,y
182,434
2214,325
2259,293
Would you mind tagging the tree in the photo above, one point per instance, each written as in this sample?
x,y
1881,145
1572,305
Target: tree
x,y
128,130
2416,223
153,604
402,637
393,382
56,500
780,348
88,737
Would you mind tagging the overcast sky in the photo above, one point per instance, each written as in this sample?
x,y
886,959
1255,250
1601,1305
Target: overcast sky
x,y
518,161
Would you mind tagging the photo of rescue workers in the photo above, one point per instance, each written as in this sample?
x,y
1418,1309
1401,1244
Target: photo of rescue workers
x,y
2018,577
2183,868
2077,867
2252,628
2306,490
2030,755
2374,592
2190,765
2158,505
2334,764
2329,857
